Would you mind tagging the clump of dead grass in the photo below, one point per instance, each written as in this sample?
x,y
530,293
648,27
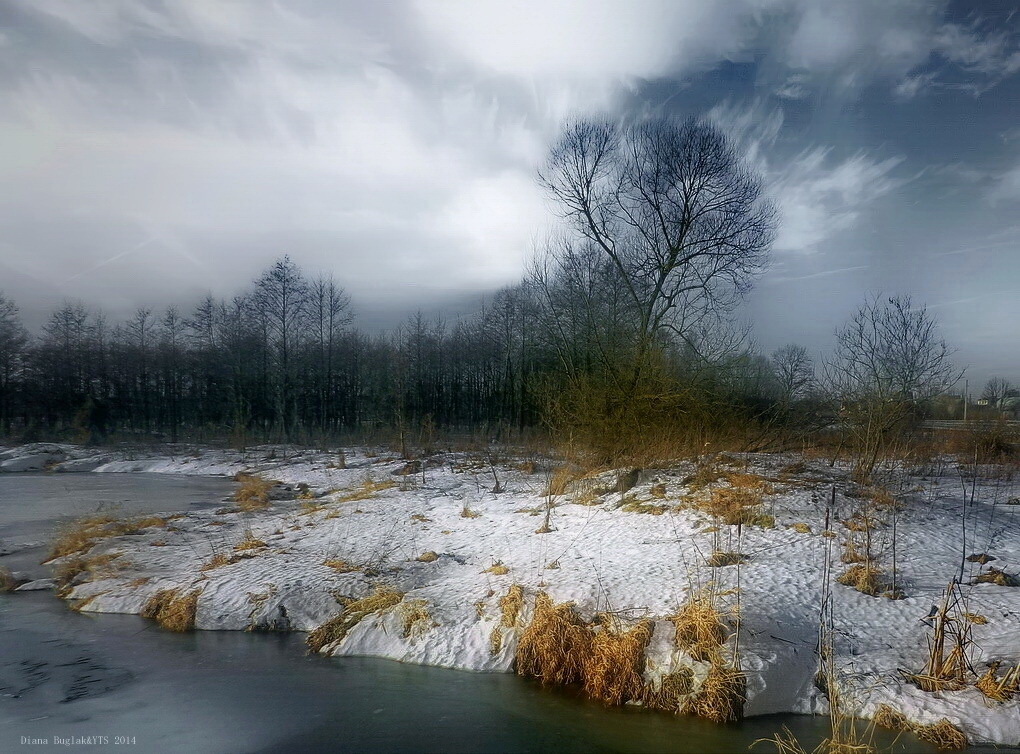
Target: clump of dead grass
x,y
497,569
250,542
172,609
890,719
428,557
218,560
702,632
340,565
699,628
668,693
80,536
420,518
943,734
740,503
948,644
252,493
368,488
560,648
77,569
721,695
510,605
719,559
355,610
995,576
864,577
999,688
415,618
611,669
632,504
553,646
800,527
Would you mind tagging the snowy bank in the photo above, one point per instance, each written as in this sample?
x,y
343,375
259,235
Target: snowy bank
x,y
450,548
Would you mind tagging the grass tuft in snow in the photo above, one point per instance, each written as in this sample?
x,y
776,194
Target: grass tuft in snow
x,y
173,609
994,576
510,605
415,618
336,628
996,688
369,488
252,493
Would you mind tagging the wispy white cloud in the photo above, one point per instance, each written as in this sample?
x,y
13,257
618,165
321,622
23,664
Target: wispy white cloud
x,y
820,198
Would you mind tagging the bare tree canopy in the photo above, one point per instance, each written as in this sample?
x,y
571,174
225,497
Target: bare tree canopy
x,y
671,206
794,371
890,350
996,390
888,361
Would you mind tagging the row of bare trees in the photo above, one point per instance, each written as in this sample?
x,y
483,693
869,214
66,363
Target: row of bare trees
x,y
618,335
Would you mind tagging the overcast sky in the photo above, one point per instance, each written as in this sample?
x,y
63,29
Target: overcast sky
x,y
153,151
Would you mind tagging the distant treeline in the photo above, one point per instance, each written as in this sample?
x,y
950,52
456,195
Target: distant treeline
x,y
284,361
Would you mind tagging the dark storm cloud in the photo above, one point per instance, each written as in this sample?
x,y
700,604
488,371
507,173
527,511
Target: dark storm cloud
x,y
157,150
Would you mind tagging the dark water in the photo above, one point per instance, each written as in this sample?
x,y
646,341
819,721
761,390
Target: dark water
x,y
65,675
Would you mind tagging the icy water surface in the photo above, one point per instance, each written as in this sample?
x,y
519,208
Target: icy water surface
x,y
65,677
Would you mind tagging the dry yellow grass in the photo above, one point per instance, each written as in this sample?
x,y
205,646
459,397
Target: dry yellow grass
x,y
738,504
510,606
250,542
699,627
369,488
497,569
720,697
947,665
853,555
611,668
216,561
173,609
81,535
994,576
70,569
658,490
943,734
800,528
420,518
670,692
415,618
719,559
865,578
999,689
889,718
427,557
252,493
559,479
336,628
468,513
341,566
552,647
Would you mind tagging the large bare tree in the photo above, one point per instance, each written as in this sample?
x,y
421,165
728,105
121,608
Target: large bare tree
x,y
674,213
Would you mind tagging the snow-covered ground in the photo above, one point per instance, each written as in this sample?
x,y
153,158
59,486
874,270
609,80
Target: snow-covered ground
x,y
640,553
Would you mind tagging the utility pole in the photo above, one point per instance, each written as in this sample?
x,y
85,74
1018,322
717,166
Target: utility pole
x,y
966,397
